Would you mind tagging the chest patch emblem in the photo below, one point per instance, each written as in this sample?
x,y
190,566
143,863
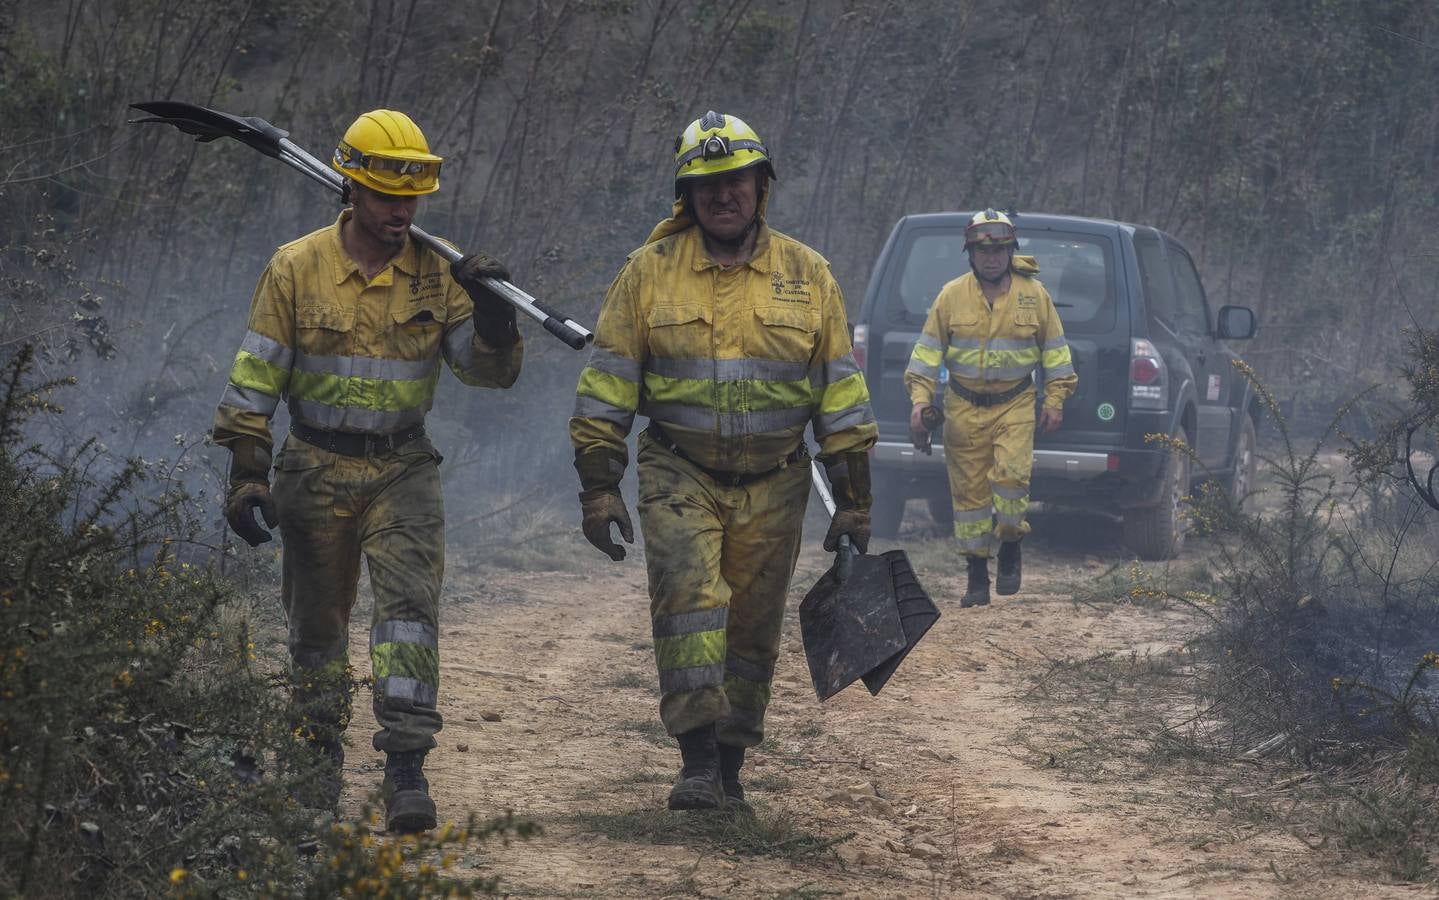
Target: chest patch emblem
x,y
1027,301
789,290
427,284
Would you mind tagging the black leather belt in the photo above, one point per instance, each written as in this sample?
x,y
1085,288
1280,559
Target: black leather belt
x,y
731,479
353,443
979,399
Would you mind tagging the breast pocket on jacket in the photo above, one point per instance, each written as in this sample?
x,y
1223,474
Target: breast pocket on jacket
x,y
324,330
1026,323
785,334
416,333
681,332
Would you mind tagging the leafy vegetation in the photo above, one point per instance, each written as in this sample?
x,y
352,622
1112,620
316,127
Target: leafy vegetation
x,y
146,748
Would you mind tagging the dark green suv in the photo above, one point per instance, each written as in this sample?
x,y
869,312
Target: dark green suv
x,y
1149,349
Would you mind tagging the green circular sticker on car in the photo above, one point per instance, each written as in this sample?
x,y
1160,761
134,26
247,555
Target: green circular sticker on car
x,y
1105,412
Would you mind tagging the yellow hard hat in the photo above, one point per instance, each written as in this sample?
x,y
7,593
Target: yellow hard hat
x,y
990,229
716,143
386,151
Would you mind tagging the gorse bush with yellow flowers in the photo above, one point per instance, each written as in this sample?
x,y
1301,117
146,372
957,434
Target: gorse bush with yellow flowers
x,y
142,748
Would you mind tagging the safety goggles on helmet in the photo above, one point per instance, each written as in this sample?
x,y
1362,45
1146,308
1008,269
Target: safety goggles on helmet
x,y
989,234
383,172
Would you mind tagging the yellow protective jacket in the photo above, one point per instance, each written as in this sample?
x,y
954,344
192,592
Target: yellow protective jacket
x,y
990,350
351,355
732,362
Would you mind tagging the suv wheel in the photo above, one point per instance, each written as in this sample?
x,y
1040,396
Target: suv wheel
x,y
1157,532
887,510
941,510
1245,465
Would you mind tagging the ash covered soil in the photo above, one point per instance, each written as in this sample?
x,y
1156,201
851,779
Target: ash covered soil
x,y
949,783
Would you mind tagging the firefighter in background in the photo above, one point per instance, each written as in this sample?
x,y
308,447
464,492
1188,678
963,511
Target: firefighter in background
x,y
731,338
991,328
349,325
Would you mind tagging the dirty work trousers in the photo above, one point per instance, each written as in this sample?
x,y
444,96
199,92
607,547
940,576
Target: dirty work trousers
x,y
388,508
720,560
988,451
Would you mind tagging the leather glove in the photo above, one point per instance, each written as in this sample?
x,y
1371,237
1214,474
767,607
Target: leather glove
x,y
599,510
600,501
494,317
849,482
918,432
239,512
249,488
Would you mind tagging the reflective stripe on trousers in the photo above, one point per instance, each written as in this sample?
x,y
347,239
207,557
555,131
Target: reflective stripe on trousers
x,y
335,509
988,452
720,560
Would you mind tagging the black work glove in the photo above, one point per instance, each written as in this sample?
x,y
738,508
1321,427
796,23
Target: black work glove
x,y
494,317
600,501
849,482
250,488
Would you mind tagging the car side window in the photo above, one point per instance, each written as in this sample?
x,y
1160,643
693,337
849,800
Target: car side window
x,y
1193,310
1158,285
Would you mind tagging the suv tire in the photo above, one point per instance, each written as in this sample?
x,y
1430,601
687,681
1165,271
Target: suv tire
x,y
1157,532
941,510
887,510
1245,465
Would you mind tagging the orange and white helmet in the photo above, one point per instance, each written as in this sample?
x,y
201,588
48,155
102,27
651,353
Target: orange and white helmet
x,y
989,229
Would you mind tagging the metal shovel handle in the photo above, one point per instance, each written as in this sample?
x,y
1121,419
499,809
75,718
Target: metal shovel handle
x,y
256,133
844,556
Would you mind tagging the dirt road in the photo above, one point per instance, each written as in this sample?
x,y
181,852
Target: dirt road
x,y
942,780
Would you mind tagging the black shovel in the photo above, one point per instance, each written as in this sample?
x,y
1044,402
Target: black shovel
x,y
862,617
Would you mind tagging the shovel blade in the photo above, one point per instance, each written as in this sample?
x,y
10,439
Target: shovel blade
x,y
850,627
208,124
917,613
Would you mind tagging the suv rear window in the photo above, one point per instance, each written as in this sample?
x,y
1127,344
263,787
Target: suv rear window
x,y
1075,268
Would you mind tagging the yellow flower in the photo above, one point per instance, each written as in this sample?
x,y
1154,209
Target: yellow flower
x,y
177,875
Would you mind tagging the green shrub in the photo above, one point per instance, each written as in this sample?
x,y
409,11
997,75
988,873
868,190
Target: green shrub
x,y
144,748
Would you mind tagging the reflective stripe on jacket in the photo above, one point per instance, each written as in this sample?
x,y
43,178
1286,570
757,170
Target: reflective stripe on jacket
x,y
991,349
733,361
352,355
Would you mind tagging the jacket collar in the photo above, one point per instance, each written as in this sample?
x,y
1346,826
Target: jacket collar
x,y
407,260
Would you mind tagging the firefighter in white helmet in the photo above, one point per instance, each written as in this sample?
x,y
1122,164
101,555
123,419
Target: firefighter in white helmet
x,y
993,329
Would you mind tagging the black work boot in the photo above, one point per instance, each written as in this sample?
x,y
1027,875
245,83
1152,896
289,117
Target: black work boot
x,y
408,807
731,761
699,783
977,593
1006,579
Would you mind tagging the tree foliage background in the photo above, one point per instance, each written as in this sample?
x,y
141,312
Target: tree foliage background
x,y
1294,146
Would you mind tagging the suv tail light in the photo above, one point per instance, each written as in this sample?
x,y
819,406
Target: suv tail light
x,y
1147,376
861,344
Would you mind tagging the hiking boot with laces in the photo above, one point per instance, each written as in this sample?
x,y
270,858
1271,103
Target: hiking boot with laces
x,y
1006,579
698,786
977,592
408,807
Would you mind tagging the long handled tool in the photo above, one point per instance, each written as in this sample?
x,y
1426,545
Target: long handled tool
x,y
209,124
863,616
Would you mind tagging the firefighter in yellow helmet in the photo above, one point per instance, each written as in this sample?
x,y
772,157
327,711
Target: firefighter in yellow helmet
x,y
349,325
731,338
992,329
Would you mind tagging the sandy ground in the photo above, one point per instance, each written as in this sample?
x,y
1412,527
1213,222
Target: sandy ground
x,y
937,778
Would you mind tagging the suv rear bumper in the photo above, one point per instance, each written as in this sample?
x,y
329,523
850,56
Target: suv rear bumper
x,y
1108,479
